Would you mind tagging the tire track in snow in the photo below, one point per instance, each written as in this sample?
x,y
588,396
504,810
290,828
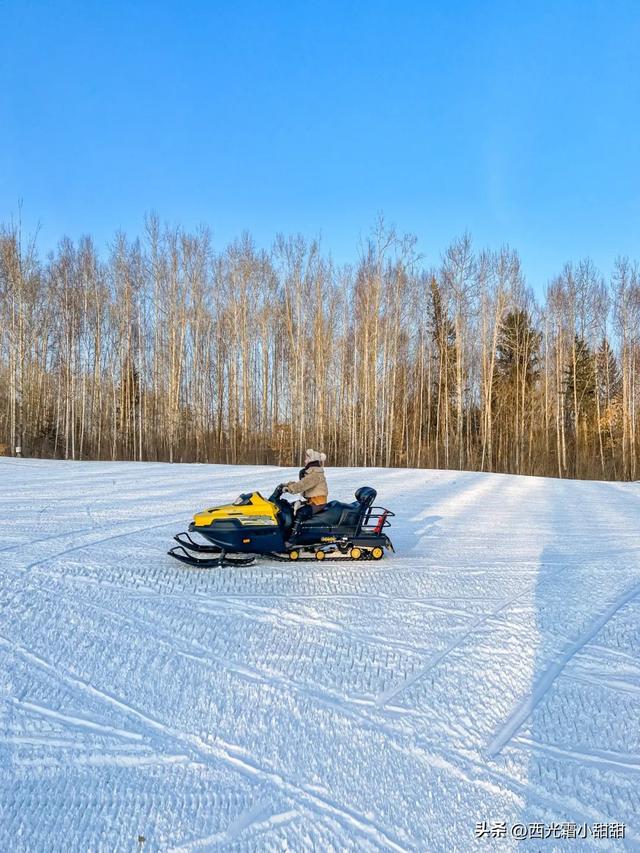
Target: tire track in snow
x,y
599,757
272,616
487,776
74,721
383,698
87,545
454,764
256,818
195,651
222,751
604,680
34,542
95,528
525,707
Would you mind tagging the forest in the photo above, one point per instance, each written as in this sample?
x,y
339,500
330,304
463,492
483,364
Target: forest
x,y
167,347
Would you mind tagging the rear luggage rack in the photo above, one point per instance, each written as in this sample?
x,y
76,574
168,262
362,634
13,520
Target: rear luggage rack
x,y
379,515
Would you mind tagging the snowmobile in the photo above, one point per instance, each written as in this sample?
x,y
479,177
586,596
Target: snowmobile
x,y
255,526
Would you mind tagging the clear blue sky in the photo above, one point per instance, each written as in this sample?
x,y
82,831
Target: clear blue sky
x,y
517,121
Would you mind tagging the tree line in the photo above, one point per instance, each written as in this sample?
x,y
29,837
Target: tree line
x,y
166,348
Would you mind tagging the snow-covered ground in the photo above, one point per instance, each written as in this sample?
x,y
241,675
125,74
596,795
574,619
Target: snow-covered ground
x,y
488,672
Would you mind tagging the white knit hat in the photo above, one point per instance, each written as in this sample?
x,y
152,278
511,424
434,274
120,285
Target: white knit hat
x,y
314,456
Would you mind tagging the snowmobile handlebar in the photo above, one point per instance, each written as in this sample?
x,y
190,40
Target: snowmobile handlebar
x,y
277,492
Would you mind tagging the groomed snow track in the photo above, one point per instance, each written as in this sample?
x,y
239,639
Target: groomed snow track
x,y
489,671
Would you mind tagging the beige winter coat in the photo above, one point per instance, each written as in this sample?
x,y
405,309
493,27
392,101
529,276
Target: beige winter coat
x,y
312,486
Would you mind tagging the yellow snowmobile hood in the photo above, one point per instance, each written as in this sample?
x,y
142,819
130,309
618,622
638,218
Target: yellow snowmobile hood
x,y
249,509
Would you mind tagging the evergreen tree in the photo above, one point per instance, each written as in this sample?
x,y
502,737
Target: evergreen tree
x,y
580,384
442,329
517,366
517,350
609,396
609,376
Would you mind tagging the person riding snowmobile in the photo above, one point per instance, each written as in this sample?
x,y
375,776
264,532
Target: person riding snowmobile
x,y
311,483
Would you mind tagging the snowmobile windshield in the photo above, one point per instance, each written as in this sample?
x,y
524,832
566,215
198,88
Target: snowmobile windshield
x,y
243,500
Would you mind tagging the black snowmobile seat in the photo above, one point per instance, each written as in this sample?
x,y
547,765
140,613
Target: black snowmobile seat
x,y
329,514
336,513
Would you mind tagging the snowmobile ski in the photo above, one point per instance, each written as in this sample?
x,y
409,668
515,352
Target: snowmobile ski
x,y
187,542
179,552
